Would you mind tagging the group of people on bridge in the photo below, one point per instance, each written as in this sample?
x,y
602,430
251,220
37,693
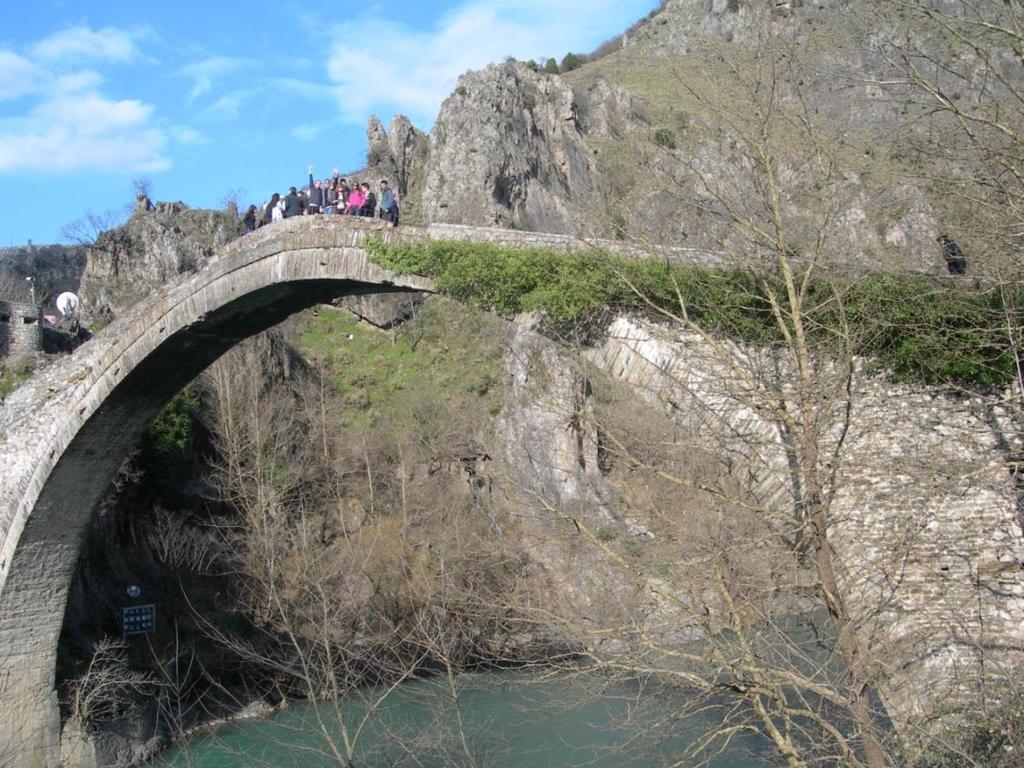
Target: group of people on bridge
x,y
332,196
335,195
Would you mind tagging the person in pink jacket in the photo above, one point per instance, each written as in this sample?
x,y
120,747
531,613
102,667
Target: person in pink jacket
x,y
355,200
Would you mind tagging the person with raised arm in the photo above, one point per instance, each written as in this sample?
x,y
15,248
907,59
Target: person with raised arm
x,y
316,202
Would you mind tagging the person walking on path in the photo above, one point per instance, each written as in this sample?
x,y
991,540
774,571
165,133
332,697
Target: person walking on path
x,y
388,203
956,262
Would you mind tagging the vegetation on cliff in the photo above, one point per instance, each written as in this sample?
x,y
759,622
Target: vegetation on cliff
x,y
913,328
13,372
445,355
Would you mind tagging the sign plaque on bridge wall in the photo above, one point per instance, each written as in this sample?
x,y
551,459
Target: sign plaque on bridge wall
x,y
138,620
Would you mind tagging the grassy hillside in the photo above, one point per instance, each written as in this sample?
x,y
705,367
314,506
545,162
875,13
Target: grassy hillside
x,y
445,358
700,87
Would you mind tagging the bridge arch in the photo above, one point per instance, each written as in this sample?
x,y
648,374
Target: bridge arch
x,y
64,434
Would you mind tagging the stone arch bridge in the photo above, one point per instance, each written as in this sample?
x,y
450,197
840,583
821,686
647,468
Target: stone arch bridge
x,y
64,434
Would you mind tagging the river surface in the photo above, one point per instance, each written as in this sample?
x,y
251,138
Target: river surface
x,y
508,720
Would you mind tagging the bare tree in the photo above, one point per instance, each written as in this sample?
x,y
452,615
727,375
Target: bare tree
x,y
346,578
107,681
86,230
778,419
763,543
956,69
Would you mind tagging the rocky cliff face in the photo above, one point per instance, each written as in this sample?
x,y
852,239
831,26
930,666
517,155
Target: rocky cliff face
x,y
924,521
124,264
629,145
398,153
508,150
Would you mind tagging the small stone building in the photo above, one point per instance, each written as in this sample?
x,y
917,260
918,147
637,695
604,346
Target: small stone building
x,y
21,331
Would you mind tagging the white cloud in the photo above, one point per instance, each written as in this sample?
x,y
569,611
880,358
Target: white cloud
x,y
67,123
19,76
91,114
227,107
304,88
81,43
307,132
376,62
204,73
187,136
73,82
83,132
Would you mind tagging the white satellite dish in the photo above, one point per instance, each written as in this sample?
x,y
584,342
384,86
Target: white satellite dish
x,y
67,303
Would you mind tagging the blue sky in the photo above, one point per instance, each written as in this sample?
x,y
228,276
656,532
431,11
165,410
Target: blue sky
x,y
205,99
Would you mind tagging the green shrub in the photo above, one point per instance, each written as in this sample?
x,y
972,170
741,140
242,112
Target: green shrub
x,y
666,137
632,549
13,371
619,226
445,354
570,62
993,739
166,447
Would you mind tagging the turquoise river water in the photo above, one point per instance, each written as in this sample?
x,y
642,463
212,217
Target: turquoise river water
x,y
487,720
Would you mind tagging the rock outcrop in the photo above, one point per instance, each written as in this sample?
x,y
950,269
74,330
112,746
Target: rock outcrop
x,y
383,310
398,153
126,263
924,519
548,436
508,150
